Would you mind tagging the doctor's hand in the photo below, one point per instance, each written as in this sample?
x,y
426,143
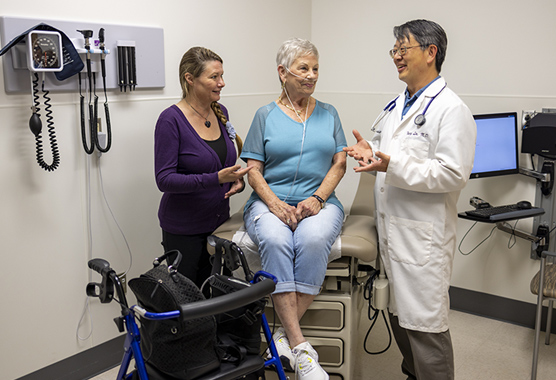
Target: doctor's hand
x,y
379,164
361,151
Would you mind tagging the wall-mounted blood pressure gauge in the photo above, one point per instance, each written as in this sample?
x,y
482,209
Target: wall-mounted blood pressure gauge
x,y
45,51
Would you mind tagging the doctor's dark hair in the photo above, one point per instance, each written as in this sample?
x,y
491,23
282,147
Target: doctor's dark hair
x,y
426,33
293,49
194,62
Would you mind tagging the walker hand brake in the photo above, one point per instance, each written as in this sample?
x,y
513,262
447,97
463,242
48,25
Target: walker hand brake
x,y
105,290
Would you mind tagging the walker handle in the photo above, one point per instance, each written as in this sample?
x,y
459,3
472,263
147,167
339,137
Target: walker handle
x,y
100,266
105,290
227,302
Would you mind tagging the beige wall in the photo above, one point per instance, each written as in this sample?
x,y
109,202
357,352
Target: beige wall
x,y
43,224
499,59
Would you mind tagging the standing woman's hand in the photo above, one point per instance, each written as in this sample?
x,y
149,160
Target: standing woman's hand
x,y
237,187
232,173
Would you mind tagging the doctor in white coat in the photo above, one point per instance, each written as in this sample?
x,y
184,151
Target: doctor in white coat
x,y
422,152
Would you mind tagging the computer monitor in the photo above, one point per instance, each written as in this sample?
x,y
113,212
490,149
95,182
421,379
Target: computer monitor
x,y
496,150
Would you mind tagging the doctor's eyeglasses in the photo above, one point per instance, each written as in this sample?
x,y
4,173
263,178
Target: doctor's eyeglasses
x,y
402,50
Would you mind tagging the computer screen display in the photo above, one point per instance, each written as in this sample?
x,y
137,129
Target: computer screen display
x,y
496,150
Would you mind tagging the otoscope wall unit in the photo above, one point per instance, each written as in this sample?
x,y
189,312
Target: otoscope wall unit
x,y
143,59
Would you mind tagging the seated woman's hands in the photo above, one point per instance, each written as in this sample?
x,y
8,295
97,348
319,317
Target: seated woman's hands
x,y
309,207
285,213
291,215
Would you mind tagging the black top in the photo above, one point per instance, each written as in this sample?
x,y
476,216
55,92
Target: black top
x,y
219,146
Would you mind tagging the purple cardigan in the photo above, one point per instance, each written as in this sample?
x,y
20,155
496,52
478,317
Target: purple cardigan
x,y
186,170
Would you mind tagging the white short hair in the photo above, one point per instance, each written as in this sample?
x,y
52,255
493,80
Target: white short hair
x,y
293,49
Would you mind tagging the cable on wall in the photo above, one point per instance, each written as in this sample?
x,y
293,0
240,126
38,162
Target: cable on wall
x,y
86,308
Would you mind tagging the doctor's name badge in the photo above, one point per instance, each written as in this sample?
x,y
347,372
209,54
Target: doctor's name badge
x,y
417,134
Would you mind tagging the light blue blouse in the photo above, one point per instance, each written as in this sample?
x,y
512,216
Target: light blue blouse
x,y
276,140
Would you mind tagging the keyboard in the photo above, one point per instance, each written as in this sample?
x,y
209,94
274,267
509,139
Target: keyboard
x,y
505,212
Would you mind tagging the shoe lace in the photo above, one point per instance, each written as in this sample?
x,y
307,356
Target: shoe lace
x,y
305,362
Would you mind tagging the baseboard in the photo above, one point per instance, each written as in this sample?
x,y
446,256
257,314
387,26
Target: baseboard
x,y
105,356
499,308
83,365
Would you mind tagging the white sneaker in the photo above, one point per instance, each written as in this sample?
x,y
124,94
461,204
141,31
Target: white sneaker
x,y
284,349
307,366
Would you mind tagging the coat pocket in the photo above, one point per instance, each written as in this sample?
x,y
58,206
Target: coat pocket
x,y
410,241
416,148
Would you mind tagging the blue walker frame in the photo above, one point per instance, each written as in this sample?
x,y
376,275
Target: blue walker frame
x,y
126,321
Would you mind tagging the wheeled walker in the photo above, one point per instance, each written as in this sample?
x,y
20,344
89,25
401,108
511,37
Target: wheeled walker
x,y
261,285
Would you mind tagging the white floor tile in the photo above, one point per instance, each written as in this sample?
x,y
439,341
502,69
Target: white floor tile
x,y
484,349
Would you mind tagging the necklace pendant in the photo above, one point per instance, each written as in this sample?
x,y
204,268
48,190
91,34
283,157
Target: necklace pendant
x,y
207,124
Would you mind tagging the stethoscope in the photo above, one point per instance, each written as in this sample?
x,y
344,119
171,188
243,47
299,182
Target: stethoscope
x,y
389,107
419,120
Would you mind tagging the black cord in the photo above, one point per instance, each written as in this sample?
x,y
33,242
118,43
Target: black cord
x,y
477,246
94,122
88,149
50,126
532,162
367,295
369,331
510,244
106,111
512,236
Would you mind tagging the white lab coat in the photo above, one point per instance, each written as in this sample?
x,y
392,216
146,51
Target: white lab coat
x,y
416,202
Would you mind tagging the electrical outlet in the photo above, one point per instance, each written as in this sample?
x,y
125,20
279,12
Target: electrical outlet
x,y
543,233
525,117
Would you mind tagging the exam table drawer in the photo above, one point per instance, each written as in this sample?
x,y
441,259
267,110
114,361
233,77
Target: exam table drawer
x,y
320,316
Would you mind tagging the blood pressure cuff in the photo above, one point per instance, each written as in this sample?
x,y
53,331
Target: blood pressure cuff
x,y
73,63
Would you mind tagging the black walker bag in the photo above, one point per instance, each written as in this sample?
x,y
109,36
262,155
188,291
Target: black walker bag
x,y
189,349
241,325
181,349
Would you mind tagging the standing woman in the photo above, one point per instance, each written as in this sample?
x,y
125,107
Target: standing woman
x,y
294,147
195,163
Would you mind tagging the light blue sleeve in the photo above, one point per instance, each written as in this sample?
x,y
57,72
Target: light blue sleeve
x,y
253,146
339,135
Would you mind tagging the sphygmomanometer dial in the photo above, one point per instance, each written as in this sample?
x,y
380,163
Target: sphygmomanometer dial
x,y
46,51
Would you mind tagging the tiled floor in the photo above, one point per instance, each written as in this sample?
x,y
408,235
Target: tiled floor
x,y
484,349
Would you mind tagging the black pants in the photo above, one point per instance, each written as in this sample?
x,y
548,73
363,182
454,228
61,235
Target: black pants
x,y
195,263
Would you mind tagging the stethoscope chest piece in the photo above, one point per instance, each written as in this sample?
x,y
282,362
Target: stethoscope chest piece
x,y
420,120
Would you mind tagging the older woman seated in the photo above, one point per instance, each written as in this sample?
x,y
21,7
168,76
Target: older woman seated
x,y
294,147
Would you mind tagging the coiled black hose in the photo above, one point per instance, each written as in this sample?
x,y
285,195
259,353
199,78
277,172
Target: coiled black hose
x,y
36,128
106,112
88,150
